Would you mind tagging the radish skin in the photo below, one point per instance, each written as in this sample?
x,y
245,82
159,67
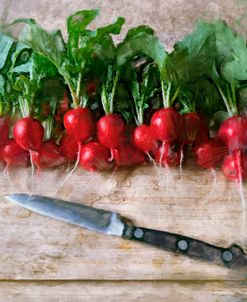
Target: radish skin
x,y
79,124
168,125
111,131
14,155
94,156
211,154
49,156
28,133
145,140
166,156
128,156
233,132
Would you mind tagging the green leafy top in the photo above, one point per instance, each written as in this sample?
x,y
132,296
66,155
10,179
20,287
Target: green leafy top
x,y
206,71
71,59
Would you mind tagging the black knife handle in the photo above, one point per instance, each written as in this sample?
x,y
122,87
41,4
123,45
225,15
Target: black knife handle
x,y
232,257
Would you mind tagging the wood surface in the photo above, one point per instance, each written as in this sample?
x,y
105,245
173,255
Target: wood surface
x,y
34,247
131,291
46,260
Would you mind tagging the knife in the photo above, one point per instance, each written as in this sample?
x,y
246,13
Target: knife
x,y
112,223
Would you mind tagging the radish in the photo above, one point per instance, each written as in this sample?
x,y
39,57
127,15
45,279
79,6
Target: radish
x,y
195,128
235,166
63,105
168,125
4,130
235,169
167,156
233,132
127,156
144,139
28,133
143,89
79,124
95,156
211,154
48,156
111,131
14,155
91,87
69,147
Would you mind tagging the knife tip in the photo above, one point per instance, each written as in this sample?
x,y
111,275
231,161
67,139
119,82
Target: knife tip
x,y
15,196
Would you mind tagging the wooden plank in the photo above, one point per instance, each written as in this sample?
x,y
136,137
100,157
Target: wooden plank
x,y
172,20
123,291
36,247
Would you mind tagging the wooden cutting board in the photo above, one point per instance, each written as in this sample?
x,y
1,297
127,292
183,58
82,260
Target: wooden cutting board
x,y
46,260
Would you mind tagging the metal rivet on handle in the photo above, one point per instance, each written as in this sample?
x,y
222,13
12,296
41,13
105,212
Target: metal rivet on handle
x,y
227,256
183,245
138,233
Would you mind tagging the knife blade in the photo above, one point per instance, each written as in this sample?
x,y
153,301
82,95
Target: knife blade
x,y
112,223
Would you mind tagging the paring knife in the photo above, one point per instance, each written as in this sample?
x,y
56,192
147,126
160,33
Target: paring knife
x,y
112,223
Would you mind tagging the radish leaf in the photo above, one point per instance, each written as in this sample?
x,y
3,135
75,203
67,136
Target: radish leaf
x,y
5,46
76,24
140,42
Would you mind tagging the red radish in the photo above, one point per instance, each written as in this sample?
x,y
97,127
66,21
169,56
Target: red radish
x,y
127,156
45,109
91,87
195,128
144,139
235,166
111,130
28,133
94,156
79,124
130,134
63,107
168,125
48,156
14,155
4,130
233,132
211,154
167,156
69,147
64,104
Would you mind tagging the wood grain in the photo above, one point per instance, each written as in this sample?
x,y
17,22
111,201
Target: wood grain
x,y
171,19
123,291
34,246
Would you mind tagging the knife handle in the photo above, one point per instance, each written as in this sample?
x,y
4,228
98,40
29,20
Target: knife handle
x,y
231,257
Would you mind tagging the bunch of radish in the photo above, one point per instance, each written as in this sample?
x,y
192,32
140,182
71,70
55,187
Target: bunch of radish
x,y
91,103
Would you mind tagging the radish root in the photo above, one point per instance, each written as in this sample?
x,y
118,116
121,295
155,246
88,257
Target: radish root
x,y
241,193
214,175
153,162
6,175
181,161
32,172
72,171
162,153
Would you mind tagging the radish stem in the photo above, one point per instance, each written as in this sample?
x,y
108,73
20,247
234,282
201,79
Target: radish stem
x,y
175,95
113,91
78,89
